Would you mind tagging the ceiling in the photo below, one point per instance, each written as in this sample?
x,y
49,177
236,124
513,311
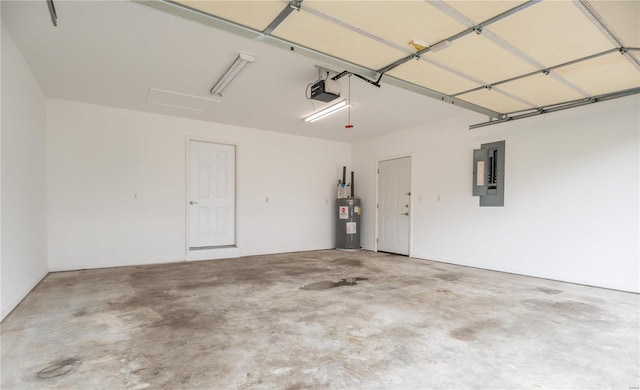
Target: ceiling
x,y
500,58
478,59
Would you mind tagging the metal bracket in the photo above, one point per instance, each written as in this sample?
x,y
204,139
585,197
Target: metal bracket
x,y
52,12
295,4
346,73
557,107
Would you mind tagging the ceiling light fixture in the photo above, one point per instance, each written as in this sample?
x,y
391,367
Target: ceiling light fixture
x,y
228,76
327,111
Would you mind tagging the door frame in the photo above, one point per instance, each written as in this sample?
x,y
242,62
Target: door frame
x,y
378,161
187,192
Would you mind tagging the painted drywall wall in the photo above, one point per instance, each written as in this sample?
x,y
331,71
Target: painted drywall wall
x,y
571,194
116,187
23,206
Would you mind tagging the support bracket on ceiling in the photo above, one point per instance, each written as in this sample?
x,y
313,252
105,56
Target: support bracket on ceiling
x,y
556,107
545,71
345,73
599,22
294,5
366,73
477,29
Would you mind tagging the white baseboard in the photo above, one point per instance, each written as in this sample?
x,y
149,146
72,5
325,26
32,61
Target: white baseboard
x,y
213,254
23,294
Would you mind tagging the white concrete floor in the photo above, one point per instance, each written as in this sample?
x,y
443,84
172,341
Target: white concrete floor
x,y
246,323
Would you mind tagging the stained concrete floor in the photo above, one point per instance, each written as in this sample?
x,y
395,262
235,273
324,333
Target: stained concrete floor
x,y
246,323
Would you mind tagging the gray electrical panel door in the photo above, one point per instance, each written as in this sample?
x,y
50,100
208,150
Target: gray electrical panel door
x,y
479,172
488,174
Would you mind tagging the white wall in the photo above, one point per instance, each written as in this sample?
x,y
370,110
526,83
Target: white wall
x,y
571,199
99,157
23,216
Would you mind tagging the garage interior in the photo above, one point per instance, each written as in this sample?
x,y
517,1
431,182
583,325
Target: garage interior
x,y
170,216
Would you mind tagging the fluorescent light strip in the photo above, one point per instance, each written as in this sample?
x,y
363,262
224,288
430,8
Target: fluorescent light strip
x,y
228,76
327,111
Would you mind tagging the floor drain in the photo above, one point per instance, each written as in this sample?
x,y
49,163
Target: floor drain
x,y
327,285
60,368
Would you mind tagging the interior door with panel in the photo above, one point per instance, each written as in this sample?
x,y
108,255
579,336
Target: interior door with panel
x,y
211,195
394,191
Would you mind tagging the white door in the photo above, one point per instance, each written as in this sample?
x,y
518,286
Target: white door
x,y
212,194
394,192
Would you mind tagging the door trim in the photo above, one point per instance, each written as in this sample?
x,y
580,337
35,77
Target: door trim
x,y
210,253
378,161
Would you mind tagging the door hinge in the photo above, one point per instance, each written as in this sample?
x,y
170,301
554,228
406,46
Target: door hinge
x,y
377,206
376,240
378,171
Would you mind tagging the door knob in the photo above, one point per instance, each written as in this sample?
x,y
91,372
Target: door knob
x,y
192,202
405,213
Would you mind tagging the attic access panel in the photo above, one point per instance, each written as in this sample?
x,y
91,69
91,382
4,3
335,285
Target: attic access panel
x,y
491,57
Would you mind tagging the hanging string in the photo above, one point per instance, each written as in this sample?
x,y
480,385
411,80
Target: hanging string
x,y
349,125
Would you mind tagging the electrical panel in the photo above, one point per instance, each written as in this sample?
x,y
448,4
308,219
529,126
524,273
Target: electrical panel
x,y
488,174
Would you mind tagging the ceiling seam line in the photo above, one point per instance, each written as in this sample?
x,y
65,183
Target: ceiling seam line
x,y
294,5
597,21
501,42
633,60
558,77
409,86
557,107
477,29
335,61
592,99
247,32
355,29
629,53
452,12
608,32
541,71
460,17
515,97
453,70
511,49
221,23
182,10
523,56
